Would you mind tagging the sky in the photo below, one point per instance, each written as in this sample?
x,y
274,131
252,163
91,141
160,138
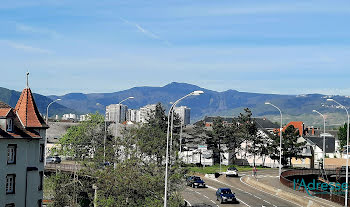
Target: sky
x,y
283,47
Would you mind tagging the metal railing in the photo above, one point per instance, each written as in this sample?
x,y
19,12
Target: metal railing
x,y
63,167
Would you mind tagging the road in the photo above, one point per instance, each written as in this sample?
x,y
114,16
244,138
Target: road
x,y
247,195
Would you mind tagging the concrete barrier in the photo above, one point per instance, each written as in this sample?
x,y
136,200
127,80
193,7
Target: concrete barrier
x,y
280,193
211,176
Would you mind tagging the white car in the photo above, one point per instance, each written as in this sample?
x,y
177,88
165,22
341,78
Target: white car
x,y
231,171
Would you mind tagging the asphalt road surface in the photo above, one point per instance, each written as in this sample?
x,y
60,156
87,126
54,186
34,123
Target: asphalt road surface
x,y
246,194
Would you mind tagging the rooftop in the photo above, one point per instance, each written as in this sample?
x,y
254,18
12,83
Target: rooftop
x,y
28,112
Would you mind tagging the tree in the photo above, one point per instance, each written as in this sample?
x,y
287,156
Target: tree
x,y
290,146
84,141
342,135
137,177
215,138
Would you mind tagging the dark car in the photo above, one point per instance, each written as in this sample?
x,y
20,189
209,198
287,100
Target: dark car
x,y
53,159
225,195
195,182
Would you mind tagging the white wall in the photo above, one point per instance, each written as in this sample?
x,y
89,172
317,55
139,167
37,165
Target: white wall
x,y
27,155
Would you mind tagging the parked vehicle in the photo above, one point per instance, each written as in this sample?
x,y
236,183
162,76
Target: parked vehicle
x,y
231,171
195,182
225,195
53,159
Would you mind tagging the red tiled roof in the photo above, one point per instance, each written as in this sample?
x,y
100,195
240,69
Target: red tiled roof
x,y
28,112
4,111
297,125
18,130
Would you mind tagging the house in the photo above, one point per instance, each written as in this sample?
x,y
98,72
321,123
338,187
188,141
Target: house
x,y
22,144
312,154
242,157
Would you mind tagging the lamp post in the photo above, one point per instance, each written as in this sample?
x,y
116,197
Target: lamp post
x,y
47,122
116,122
104,137
347,151
281,128
194,93
324,136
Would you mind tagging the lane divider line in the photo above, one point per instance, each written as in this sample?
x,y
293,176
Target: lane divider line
x,y
234,188
268,192
236,198
207,196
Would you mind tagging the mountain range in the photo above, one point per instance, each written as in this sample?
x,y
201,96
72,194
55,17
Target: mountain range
x,y
226,103
11,97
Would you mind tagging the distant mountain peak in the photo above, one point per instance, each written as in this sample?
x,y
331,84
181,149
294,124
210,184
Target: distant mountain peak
x,y
179,85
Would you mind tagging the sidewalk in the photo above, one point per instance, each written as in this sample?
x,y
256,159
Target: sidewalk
x,y
273,181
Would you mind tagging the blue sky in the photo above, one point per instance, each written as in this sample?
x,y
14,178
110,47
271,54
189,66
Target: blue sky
x,y
286,47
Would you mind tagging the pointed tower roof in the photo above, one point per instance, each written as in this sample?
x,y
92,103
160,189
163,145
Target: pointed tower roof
x,y
27,111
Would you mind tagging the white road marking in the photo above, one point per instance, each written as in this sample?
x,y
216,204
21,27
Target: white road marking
x,y
268,193
207,196
267,201
236,198
188,202
257,197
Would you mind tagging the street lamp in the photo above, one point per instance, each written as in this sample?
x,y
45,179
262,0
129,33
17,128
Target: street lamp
x,y
131,97
116,125
47,122
281,128
194,93
324,134
347,151
116,128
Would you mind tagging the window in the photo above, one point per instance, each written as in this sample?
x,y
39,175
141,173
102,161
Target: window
x,y
11,154
41,176
9,125
10,183
10,205
40,203
41,156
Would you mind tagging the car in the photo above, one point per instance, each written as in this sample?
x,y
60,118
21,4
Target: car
x,y
53,159
225,195
232,171
195,182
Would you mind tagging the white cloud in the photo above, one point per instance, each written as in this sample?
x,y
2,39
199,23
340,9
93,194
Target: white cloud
x,y
26,48
35,30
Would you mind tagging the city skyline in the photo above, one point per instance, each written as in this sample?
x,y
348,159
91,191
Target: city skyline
x,y
287,47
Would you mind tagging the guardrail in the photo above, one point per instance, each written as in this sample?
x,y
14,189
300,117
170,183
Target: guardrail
x,y
63,167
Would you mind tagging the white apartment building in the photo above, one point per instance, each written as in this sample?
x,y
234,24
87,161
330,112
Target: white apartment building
x,y
84,117
116,112
133,115
22,144
69,117
146,112
184,114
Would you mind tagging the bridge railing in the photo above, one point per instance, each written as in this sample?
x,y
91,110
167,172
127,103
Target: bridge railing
x,y
63,167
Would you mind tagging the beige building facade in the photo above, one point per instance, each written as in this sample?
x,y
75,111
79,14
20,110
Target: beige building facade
x,y
22,144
